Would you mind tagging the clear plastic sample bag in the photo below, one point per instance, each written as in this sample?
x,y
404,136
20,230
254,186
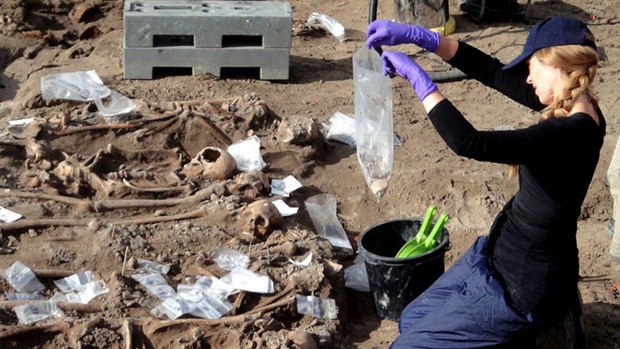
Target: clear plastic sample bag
x,y
373,115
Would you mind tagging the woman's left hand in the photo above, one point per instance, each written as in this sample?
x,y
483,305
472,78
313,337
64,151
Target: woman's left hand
x,y
395,62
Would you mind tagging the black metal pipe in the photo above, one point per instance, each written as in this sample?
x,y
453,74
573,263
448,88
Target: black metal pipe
x,y
372,13
372,16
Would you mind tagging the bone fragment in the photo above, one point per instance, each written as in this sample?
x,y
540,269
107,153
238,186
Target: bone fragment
x,y
153,326
180,188
216,131
291,285
128,334
18,331
280,303
249,316
79,330
49,273
34,150
164,124
237,303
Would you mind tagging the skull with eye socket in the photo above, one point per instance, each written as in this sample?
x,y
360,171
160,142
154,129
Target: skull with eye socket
x,y
210,164
260,218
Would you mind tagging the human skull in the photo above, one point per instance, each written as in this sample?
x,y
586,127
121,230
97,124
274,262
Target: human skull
x,y
260,218
211,163
251,184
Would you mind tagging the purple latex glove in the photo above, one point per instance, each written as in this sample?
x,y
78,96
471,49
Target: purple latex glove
x,y
386,32
399,63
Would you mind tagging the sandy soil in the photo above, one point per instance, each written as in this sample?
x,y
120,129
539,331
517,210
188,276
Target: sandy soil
x,y
85,223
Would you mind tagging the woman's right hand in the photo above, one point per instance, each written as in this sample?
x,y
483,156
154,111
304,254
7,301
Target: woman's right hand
x,y
384,32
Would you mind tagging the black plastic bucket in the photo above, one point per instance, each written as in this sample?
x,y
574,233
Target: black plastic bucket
x,y
394,282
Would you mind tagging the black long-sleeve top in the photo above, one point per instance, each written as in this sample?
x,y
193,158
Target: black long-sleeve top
x,y
535,250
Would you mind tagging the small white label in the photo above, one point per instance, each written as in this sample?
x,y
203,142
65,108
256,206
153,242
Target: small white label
x,y
285,210
8,216
284,187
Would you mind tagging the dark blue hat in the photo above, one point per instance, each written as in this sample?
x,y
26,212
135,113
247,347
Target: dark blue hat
x,y
554,31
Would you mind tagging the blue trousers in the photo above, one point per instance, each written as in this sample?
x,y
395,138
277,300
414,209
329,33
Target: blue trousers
x,y
465,308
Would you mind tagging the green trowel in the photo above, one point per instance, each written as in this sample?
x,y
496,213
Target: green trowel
x,y
421,236
422,243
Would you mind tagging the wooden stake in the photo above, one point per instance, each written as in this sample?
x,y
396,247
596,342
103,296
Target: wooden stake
x,y
124,260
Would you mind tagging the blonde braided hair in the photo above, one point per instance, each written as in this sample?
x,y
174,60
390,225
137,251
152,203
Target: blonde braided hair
x,y
579,63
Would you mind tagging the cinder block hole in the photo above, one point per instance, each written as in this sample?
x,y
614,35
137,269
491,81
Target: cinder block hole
x,y
240,73
242,40
135,7
173,7
173,40
162,72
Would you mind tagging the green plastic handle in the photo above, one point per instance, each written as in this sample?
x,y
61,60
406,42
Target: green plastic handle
x,y
426,224
431,239
413,248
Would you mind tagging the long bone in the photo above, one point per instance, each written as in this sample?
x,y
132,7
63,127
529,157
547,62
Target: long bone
x,y
119,126
38,223
107,205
